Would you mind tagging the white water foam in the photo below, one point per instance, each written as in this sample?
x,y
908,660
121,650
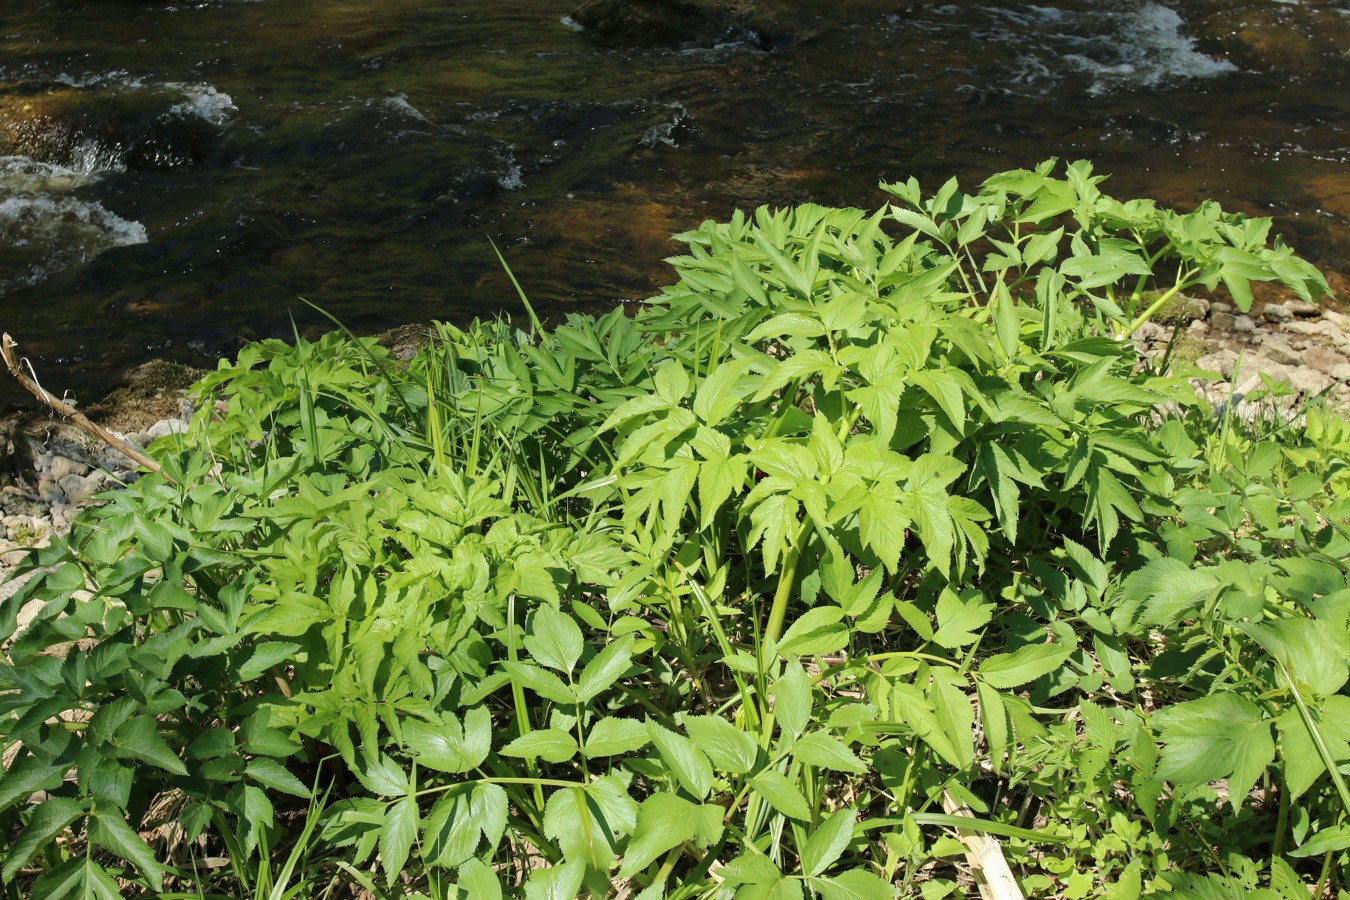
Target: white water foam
x,y
203,101
48,233
1152,51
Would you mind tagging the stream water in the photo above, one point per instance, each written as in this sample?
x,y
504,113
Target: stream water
x,y
174,177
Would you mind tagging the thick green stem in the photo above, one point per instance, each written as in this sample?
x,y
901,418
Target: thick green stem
x,y
1153,310
786,576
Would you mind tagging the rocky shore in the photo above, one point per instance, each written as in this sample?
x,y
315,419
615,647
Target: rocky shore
x,y
50,470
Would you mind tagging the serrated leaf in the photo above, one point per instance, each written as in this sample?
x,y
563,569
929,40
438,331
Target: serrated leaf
x,y
1221,736
855,884
450,834
755,877
27,776
556,882
605,668
272,774
587,822
139,739
818,630
111,832
49,819
820,749
478,881
664,821
548,743
264,657
792,700
959,616
1009,670
555,639
614,736
781,794
828,842
1328,840
397,836
542,682
730,749
689,764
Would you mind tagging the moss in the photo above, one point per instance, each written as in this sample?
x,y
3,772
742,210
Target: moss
x,y
146,394
1180,308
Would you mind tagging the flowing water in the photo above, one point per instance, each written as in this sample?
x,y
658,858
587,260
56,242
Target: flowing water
x,y
174,177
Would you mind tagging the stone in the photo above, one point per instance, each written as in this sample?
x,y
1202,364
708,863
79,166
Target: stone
x,y
1302,309
1312,329
1198,328
80,488
1221,321
166,427
1276,312
1282,353
1340,373
140,439
50,491
1244,324
1339,319
63,467
1323,359
1150,331
1217,307
1195,308
1221,361
1308,381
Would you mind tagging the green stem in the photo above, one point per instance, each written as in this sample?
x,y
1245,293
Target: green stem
x,y
1157,305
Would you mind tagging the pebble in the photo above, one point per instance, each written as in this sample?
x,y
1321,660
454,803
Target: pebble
x,y
1340,373
1220,320
62,467
1323,359
167,427
1276,312
1283,354
1220,308
1244,324
1303,309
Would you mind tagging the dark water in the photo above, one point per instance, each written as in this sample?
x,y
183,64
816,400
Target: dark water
x,y
174,177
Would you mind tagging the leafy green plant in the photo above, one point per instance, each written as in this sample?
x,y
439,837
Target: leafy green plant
x,y
865,515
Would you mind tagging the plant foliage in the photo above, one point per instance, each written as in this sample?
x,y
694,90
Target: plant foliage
x,y
722,599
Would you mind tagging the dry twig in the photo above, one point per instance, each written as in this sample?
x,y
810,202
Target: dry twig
x,y
7,345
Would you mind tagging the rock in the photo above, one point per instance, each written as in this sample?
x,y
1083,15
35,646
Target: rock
x,y
1276,312
50,491
1218,307
1340,373
79,488
1220,321
166,427
1308,381
62,467
1195,308
1340,319
1221,361
1282,353
1302,309
1323,359
1322,329
1244,324
1198,328
1150,331
140,439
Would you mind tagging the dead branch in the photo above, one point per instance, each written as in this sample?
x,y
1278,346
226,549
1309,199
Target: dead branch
x,y
7,345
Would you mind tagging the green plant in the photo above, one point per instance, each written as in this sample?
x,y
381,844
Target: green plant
x,y
864,515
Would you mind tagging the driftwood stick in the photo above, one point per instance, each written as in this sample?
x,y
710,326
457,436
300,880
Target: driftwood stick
x,y
7,345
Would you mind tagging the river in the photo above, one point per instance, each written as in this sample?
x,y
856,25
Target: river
x,y
175,177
